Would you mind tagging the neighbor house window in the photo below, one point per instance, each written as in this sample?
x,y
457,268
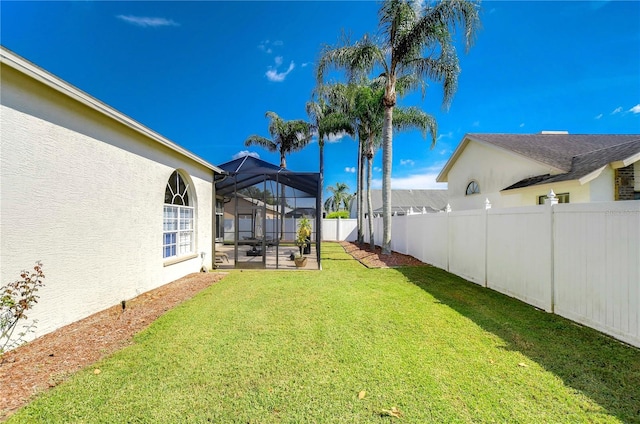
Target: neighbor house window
x,y
473,188
562,198
178,229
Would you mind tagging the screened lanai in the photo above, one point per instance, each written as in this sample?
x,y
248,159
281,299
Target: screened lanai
x,y
259,207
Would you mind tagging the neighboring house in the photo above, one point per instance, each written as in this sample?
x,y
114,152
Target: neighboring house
x,y
521,169
403,202
110,207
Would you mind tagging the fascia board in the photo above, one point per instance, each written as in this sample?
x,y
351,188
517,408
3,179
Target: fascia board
x,y
38,74
443,176
626,162
591,175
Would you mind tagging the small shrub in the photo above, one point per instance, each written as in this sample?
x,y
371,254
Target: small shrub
x,y
338,214
15,299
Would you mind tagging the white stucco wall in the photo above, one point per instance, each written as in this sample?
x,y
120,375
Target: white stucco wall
x,y
84,194
602,188
529,196
493,169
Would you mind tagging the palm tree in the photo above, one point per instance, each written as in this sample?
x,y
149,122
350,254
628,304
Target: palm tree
x,y
328,119
414,41
286,136
340,197
339,116
370,112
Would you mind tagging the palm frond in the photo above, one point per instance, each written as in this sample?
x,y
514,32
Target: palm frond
x,y
257,140
444,69
357,59
415,118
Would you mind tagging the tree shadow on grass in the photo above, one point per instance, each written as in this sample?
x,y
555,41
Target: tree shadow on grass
x,y
602,368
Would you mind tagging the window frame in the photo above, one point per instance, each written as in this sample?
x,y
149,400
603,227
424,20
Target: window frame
x,y
178,220
475,188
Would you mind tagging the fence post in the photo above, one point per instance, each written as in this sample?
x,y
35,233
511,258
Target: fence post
x,y
447,211
487,206
549,203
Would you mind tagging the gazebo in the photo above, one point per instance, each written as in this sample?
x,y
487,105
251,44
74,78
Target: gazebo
x,y
262,205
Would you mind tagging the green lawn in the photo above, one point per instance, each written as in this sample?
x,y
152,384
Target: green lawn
x,y
297,347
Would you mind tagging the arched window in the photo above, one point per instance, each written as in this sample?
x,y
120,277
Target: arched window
x,y
178,229
473,188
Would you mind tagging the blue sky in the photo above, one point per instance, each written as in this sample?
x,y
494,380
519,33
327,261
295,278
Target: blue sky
x,y
204,73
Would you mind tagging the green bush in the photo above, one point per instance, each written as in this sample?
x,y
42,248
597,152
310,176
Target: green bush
x,y
338,214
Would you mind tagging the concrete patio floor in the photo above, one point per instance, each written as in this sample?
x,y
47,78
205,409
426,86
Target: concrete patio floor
x,y
275,257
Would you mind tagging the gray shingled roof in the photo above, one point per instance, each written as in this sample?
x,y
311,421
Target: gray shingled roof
x,y
575,155
584,164
558,150
403,200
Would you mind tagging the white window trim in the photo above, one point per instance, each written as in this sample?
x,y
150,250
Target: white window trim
x,y
477,186
181,223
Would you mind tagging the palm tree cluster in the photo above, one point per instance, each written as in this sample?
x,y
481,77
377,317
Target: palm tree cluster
x,y
340,198
415,44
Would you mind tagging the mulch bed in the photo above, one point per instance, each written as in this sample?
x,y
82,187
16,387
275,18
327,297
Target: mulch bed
x,y
375,258
52,358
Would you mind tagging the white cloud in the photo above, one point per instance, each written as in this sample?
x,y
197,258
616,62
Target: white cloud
x,y
377,169
617,110
444,135
412,182
144,21
475,124
305,64
407,162
244,153
351,170
273,75
635,109
265,45
424,178
335,138
522,125
598,116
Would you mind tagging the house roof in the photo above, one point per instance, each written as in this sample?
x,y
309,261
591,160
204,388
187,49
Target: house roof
x,y
247,171
574,156
12,60
403,200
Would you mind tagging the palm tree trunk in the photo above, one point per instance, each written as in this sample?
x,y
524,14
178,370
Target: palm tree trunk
x,y
372,242
359,196
387,138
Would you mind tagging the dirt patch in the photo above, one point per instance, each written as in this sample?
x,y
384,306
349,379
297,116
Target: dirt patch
x,y
375,258
50,359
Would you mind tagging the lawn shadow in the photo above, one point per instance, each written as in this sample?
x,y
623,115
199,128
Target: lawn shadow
x,y
602,368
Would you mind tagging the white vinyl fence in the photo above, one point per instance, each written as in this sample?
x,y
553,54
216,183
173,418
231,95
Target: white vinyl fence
x,y
580,261
339,229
